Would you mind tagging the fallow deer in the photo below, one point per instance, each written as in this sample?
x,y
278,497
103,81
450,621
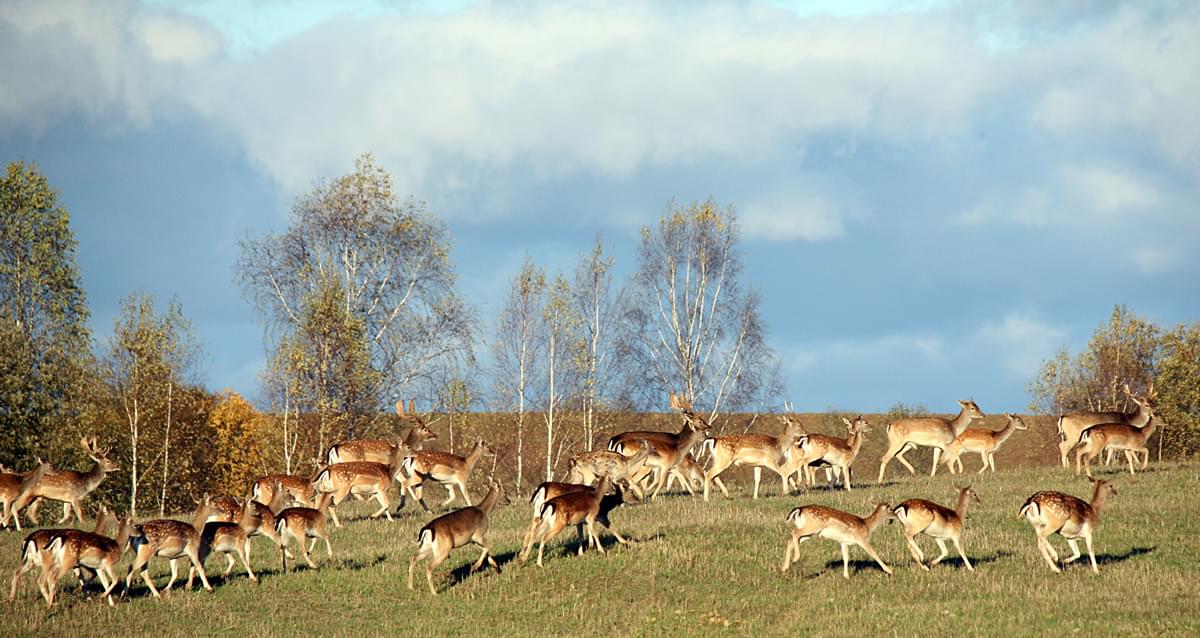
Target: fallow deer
x,y
756,450
1115,436
919,516
670,449
1072,425
380,450
14,486
69,486
983,441
303,523
34,551
364,479
575,508
841,527
95,552
228,538
1070,517
225,509
170,539
450,470
462,526
299,489
813,450
936,432
586,467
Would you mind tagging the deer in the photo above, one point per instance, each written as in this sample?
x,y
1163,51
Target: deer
x,y
93,551
841,527
919,516
586,467
260,518
670,449
443,534
814,450
380,450
170,539
299,489
450,470
225,509
1072,425
932,431
34,551
1068,516
983,441
550,490
365,479
69,486
1116,436
756,450
13,488
575,508
228,538
303,523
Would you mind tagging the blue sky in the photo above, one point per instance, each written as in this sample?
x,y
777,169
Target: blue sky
x,y
935,195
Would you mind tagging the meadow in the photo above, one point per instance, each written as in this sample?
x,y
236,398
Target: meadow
x,y
702,568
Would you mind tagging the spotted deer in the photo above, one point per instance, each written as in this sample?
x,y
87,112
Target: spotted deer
x,y
1068,516
443,534
299,489
13,488
930,431
380,450
575,508
841,527
919,516
170,539
813,450
1072,425
450,470
670,449
756,450
69,486
303,523
587,467
95,552
34,552
365,479
1114,436
983,441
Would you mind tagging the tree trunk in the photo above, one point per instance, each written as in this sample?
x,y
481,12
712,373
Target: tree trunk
x,y
162,498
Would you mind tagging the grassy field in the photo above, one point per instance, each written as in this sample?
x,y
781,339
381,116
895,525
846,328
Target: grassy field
x,y
700,568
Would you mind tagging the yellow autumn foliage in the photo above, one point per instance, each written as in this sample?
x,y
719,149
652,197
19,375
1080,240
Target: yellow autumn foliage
x,y
241,437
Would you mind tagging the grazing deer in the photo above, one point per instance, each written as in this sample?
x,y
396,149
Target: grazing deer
x,y
364,479
931,431
69,486
13,488
1116,436
299,489
95,552
303,523
1070,517
586,467
575,508
756,450
983,441
919,516
230,539
1072,425
170,539
34,551
380,450
814,450
450,470
445,533
841,527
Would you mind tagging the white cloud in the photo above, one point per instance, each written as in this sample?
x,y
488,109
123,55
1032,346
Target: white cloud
x,y
173,39
1020,340
802,216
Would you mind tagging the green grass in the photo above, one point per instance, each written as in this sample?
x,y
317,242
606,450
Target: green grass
x,y
701,568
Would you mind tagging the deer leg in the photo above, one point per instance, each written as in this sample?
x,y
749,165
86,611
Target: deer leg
x,y
959,547
1075,553
941,543
229,563
1047,550
1091,553
757,480
438,557
1129,457
245,554
67,514
904,460
1064,447
937,454
194,555
174,574
412,564
381,496
846,560
916,552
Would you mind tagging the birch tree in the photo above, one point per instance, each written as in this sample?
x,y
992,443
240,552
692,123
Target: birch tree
x,y
560,333
517,348
597,305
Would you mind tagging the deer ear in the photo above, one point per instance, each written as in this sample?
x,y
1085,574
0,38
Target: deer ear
x,y
847,422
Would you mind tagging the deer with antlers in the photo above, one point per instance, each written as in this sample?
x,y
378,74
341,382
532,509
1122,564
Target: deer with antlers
x,y
1114,436
757,450
919,516
841,527
449,470
443,534
93,551
13,488
815,450
170,539
1072,425
69,486
983,441
380,450
930,431
34,552
365,479
670,448
1068,516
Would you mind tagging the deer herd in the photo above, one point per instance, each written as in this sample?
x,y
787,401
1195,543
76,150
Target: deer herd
x,y
635,466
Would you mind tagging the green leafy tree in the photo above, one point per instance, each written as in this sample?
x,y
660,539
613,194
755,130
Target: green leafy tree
x,y
46,369
1177,387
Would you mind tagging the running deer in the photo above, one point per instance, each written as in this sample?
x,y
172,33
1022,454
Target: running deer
x,y
814,450
380,450
228,538
450,470
1116,436
919,516
586,467
982,441
92,551
551,490
1070,517
931,431
756,450
1072,425
225,509
34,551
299,489
13,488
841,527
363,479
260,519
576,508
303,523
670,449
445,533
170,539
69,486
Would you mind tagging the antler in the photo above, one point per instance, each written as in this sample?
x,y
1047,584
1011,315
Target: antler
x,y
408,415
